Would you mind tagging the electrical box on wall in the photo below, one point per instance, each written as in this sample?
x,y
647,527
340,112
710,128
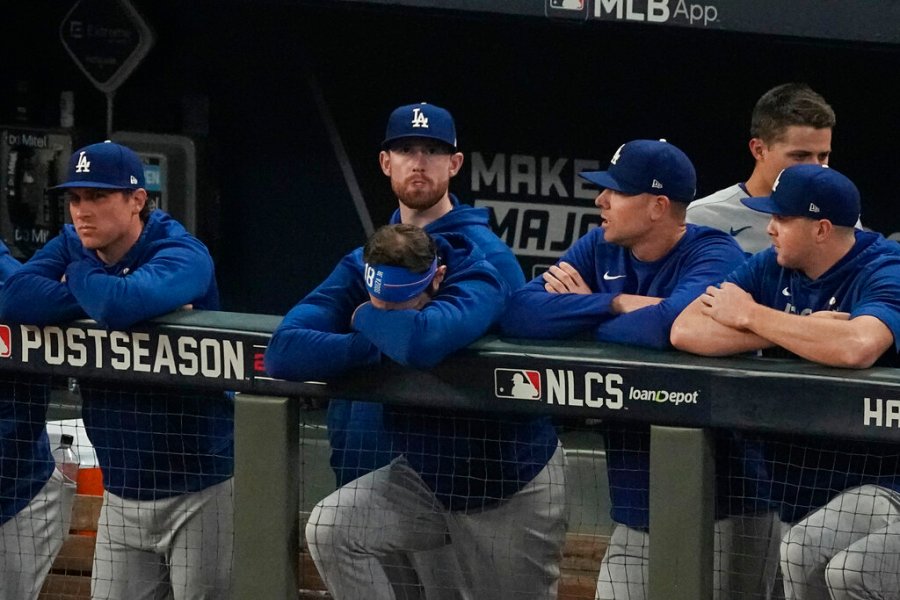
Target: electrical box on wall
x,y
170,171
32,160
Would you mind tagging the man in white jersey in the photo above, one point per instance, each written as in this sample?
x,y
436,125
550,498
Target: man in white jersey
x,y
791,124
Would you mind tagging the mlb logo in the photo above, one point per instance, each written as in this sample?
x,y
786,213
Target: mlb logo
x,y
567,4
5,341
517,383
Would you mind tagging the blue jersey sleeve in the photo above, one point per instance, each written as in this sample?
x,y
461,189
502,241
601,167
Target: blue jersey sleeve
x,y
880,298
314,340
36,294
464,309
536,313
708,264
8,264
178,272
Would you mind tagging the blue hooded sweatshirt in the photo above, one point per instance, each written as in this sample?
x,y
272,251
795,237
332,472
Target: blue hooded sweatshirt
x,y
152,442
25,460
469,459
356,429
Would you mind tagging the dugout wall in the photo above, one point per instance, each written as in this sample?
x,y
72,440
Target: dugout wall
x,y
286,102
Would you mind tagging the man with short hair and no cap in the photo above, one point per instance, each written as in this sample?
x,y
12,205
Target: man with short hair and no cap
x,y
830,294
625,282
791,124
167,458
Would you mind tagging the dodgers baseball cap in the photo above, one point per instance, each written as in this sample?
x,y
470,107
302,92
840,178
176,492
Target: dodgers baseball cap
x,y
420,120
813,191
104,165
648,166
397,284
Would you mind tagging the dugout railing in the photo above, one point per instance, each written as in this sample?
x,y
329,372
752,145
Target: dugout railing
x,y
683,397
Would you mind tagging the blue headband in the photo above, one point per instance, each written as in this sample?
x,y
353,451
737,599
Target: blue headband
x,y
397,284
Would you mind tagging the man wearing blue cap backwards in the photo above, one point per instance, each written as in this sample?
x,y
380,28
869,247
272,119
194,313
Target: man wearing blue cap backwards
x,y
492,485
829,294
625,282
165,527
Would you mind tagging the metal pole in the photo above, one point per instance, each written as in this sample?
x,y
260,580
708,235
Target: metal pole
x,y
682,480
266,497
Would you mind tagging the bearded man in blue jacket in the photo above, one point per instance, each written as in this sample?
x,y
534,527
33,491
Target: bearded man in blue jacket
x,y
419,155
167,458
492,485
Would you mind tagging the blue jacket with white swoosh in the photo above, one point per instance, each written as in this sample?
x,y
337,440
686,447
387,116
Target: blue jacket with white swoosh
x,y
703,257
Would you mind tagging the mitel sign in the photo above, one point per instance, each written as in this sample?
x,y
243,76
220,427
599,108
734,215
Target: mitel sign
x,y
107,39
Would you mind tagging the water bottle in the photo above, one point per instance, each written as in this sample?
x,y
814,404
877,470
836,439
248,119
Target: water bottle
x,y
67,460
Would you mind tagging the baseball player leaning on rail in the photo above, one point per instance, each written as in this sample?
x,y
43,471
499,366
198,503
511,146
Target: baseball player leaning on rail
x,y
167,457
35,498
829,294
491,485
626,282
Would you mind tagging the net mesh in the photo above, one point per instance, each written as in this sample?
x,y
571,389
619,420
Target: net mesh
x,y
423,503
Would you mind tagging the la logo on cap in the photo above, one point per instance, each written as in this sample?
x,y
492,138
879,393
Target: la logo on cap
x,y
419,119
84,165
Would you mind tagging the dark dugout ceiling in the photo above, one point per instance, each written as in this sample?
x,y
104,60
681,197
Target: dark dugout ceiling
x,y
873,21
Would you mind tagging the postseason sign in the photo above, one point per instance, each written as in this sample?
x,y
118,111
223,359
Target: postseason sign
x,y
208,358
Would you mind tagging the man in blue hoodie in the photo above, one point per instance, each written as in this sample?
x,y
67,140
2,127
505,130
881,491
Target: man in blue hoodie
x,y
830,294
35,497
167,457
419,155
493,485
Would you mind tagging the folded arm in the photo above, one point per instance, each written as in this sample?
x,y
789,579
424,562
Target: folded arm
x,y
36,293
179,273
314,340
460,313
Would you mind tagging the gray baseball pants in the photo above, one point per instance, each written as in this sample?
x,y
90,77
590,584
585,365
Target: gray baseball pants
x,y
508,551
848,549
745,560
30,541
178,548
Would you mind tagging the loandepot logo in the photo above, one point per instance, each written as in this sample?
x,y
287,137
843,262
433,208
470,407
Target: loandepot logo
x,y
661,396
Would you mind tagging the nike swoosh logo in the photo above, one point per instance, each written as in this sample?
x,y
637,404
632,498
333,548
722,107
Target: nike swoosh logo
x,y
786,292
609,277
734,231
